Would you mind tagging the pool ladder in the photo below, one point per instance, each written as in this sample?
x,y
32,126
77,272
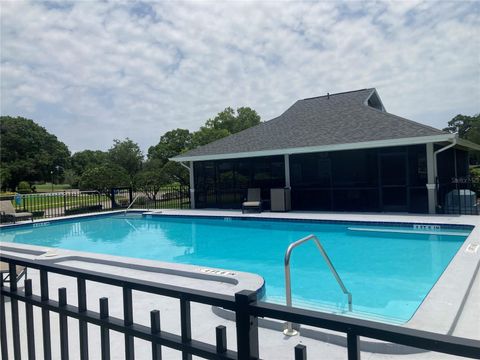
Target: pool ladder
x,y
289,331
130,205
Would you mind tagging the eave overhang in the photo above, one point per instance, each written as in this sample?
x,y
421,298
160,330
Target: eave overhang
x,y
335,147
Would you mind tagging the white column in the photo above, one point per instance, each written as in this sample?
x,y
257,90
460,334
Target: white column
x,y
192,186
431,187
287,170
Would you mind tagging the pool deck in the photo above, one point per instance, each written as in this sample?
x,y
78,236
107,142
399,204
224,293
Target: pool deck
x,y
449,310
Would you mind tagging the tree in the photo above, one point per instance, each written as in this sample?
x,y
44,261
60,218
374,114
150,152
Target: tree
x,y
104,177
151,179
171,143
28,151
244,118
82,160
127,155
468,128
226,122
176,173
207,135
71,177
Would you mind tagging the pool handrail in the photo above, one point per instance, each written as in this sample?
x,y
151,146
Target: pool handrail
x,y
130,205
289,331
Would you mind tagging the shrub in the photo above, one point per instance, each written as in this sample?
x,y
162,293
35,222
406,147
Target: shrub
x,y
24,187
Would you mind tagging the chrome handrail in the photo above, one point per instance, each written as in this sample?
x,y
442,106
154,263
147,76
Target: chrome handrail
x,y
289,331
129,206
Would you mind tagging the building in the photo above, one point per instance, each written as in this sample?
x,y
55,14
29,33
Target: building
x,y
339,152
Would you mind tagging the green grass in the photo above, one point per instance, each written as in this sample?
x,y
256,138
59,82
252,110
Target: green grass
x,y
47,187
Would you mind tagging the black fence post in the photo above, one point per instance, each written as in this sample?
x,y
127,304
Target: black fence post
x,y
155,328
221,339
130,195
185,326
82,325
247,326
47,346
112,197
30,321
63,324
104,331
353,346
15,319
300,352
3,324
128,321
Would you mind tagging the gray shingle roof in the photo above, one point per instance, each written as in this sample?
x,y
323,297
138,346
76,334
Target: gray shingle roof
x,y
342,118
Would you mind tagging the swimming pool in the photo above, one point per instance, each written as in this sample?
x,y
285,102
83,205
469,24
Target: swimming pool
x,y
389,269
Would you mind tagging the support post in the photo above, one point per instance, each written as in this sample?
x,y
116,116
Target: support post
x,y
247,326
287,170
192,186
431,185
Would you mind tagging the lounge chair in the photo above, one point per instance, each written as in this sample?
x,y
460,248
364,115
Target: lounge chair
x,y
8,213
253,200
4,270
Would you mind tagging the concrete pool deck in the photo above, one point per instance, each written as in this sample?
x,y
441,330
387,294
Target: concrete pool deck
x,y
464,322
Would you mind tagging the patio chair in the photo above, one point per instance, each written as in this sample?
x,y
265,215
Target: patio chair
x,y
8,213
253,201
4,270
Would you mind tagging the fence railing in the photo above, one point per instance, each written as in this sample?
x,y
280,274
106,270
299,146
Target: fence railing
x,y
459,196
177,197
245,305
49,205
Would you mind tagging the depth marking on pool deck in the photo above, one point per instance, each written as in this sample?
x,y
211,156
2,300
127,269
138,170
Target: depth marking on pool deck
x,y
472,248
449,233
217,272
46,223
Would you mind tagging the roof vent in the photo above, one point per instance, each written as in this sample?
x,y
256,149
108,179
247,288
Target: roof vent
x,y
328,95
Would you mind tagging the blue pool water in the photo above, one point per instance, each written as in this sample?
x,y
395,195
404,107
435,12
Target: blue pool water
x,y
388,272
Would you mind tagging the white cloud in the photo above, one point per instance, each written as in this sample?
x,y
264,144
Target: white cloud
x,y
93,71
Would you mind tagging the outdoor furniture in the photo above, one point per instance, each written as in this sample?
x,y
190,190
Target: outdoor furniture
x,y
4,270
253,201
280,199
8,214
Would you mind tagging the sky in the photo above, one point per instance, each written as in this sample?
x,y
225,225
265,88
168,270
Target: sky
x,y
90,72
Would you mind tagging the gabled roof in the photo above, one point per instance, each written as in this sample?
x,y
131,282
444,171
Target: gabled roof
x,y
330,121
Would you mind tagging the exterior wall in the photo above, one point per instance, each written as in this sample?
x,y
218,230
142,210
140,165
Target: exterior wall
x,y
384,179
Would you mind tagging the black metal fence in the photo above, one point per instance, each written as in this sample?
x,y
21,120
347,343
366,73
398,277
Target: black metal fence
x,y
245,305
49,205
172,197
459,196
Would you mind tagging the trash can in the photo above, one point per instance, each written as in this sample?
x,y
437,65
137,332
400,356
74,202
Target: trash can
x,y
280,199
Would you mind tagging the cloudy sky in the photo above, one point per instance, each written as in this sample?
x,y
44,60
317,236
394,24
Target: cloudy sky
x,y
90,71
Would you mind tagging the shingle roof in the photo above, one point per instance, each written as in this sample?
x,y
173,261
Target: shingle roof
x,y
342,118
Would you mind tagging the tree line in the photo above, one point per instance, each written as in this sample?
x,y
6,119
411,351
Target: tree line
x,y
29,154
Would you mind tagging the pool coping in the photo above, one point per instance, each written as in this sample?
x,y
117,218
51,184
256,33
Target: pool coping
x,y
214,280
447,296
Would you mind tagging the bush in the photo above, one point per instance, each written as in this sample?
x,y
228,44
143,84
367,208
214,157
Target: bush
x,y
24,187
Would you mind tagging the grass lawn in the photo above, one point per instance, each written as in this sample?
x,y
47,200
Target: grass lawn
x,y
47,187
